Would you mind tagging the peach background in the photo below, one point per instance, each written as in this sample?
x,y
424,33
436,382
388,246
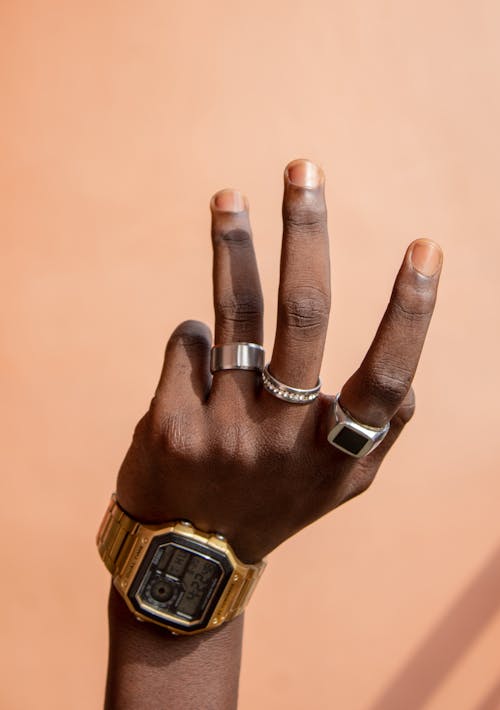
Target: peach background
x,y
118,122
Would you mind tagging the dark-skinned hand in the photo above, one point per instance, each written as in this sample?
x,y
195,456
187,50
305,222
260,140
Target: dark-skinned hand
x,y
226,454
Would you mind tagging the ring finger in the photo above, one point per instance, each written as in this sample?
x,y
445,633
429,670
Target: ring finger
x,y
238,301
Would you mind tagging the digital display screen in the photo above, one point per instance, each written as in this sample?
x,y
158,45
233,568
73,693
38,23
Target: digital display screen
x,y
179,582
198,580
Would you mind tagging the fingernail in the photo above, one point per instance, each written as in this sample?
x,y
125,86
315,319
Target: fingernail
x,y
229,201
426,257
303,173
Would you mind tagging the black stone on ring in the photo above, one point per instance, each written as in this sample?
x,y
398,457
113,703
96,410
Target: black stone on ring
x,y
350,435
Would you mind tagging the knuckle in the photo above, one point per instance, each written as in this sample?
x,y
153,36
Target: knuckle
x,y
413,303
234,237
305,219
191,333
389,383
143,427
145,437
234,442
177,434
239,307
406,411
305,310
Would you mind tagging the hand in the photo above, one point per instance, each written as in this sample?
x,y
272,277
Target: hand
x,y
224,453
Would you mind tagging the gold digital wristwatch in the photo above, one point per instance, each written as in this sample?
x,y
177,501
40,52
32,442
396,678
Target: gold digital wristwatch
x,y
173,574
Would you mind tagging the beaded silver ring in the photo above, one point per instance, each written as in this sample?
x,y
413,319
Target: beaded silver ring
x,y
286,393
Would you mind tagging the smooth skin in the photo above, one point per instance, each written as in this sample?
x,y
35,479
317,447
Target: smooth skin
x,y
227,455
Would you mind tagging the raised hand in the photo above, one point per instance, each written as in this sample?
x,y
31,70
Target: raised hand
x,y
228,455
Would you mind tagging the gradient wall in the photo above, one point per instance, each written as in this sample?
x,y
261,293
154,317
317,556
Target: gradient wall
x,y
118,121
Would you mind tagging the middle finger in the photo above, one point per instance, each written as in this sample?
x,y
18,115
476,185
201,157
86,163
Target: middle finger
x,y
304,290
237,291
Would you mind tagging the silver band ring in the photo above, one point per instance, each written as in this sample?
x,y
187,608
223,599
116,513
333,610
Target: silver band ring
x,y
288,394
237,356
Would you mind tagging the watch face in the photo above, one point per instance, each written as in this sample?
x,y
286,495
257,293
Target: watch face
x,y
180,582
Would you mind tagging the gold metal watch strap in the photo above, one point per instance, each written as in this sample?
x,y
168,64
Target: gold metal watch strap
x,y
121,541
238,592
116,536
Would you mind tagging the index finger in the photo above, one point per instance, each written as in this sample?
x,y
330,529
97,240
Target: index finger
x,y
374,393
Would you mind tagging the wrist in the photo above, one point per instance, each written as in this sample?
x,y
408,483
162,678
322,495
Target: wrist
x,y
148,663
174,575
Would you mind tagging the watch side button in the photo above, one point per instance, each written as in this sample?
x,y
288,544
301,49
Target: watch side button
x,y
139,618
186,523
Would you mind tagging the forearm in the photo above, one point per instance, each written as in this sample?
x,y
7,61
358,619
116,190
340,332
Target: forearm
x,y
150,668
